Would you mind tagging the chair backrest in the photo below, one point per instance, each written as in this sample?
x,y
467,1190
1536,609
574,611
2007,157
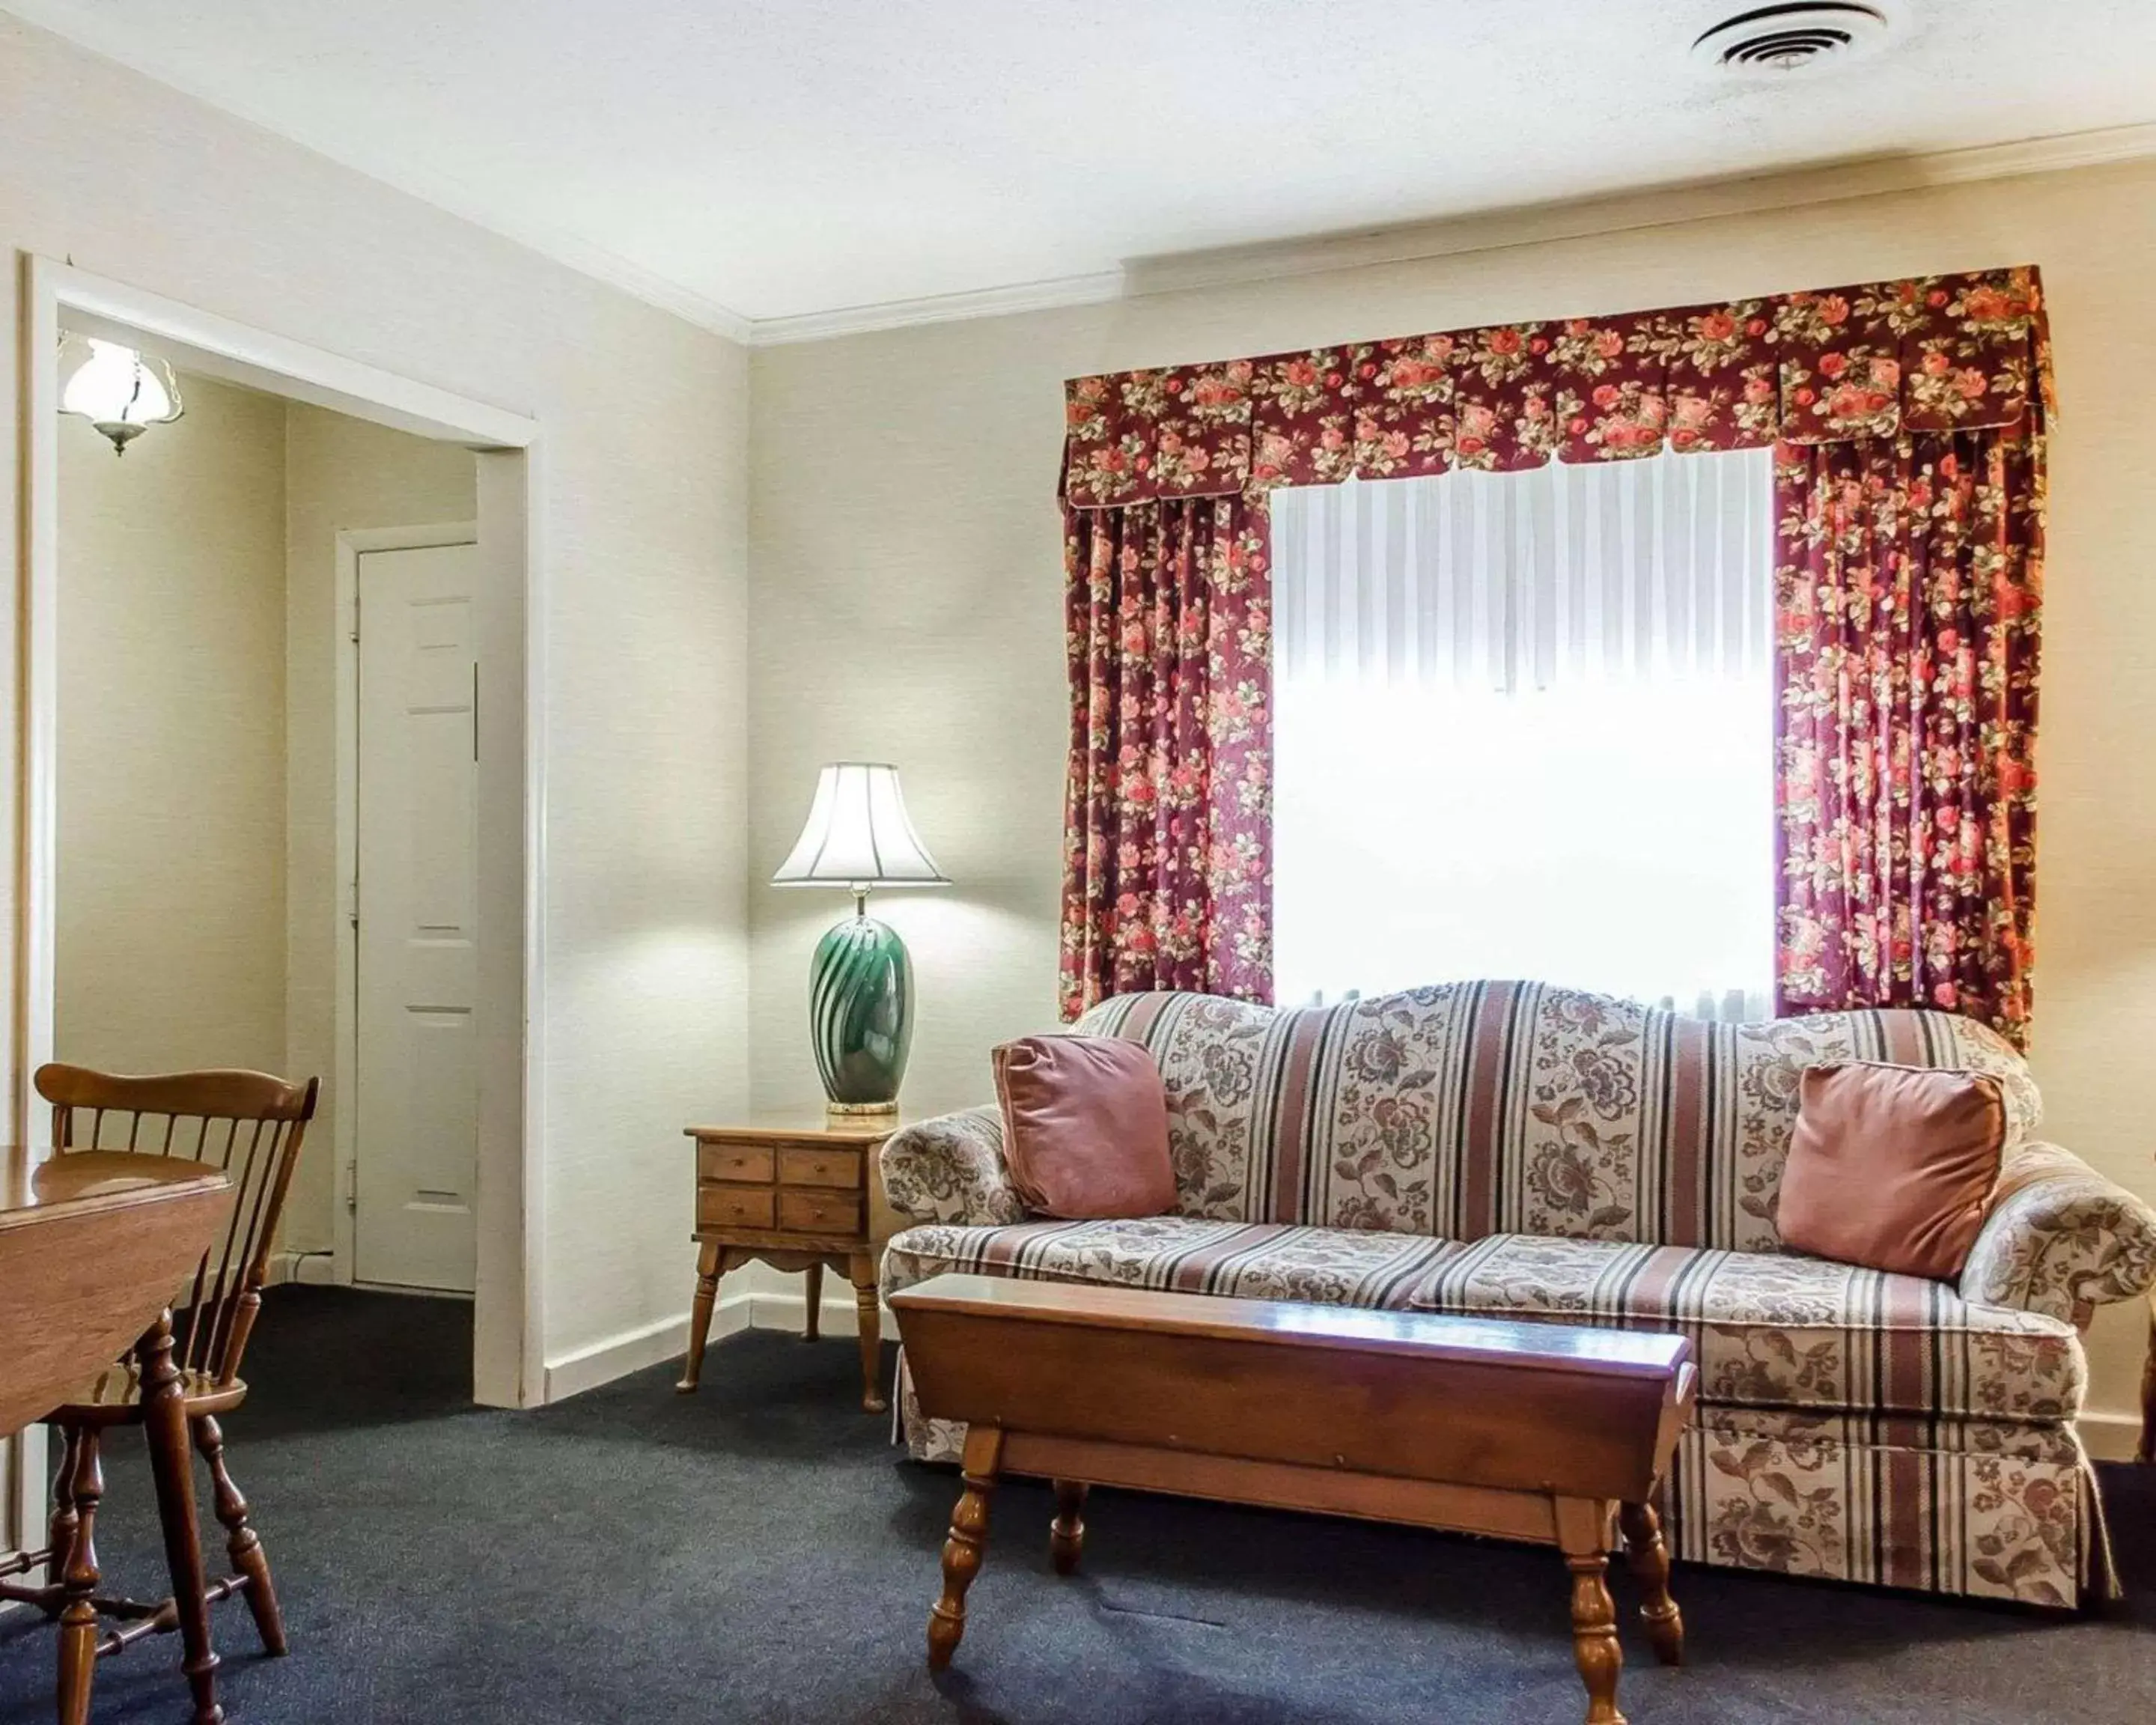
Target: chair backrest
x,y
249,1124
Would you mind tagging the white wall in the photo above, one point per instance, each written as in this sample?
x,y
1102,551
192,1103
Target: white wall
x,y
172,740
339,473
642,485
908,584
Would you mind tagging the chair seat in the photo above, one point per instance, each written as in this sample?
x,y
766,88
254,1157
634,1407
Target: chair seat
x,y
115,1398
1767,1330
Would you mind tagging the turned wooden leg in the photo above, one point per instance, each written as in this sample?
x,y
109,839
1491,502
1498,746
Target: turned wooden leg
x,y
708,1271
1650,1560
242,1543
962,1548
60,1530
1066,1533
815,1302
861,1270
1583,1535
77,1579
1595,1647
165,1434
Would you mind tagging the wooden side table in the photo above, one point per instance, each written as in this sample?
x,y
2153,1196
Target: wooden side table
x,y
795,1198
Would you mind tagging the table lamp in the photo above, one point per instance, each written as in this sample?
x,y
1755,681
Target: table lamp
x,y
860,982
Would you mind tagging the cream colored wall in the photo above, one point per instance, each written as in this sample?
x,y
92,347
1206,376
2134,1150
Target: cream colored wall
x,y
340,473
172,740
907,594
198,642
640,611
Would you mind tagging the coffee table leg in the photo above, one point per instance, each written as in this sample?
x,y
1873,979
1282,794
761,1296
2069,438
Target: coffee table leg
x,y
1650,1560
962,1548
1582,1535
1066,1533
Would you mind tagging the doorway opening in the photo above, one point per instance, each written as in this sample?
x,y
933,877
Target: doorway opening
x,y
278,949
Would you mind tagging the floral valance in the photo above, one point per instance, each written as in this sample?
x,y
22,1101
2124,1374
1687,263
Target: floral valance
x,y
1931,353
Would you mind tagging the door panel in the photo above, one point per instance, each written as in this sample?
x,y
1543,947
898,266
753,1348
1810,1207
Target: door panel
x,y
417,1119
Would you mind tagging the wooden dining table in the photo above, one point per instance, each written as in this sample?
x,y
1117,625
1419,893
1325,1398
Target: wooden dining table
x,y
94,1246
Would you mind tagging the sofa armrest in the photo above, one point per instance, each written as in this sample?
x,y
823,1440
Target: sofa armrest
x,y
951,1169
2060,1238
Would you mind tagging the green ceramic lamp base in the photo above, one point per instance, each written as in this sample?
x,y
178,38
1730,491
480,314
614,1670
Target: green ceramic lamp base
x,y
860,1014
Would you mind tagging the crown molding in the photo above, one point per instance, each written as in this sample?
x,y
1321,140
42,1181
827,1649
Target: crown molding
x,y
1532,225
1691,201
942,308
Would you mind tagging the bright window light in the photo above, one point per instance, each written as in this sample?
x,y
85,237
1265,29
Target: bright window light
x,y
1524,728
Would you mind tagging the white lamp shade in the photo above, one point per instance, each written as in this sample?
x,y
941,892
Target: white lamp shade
x,y
857,834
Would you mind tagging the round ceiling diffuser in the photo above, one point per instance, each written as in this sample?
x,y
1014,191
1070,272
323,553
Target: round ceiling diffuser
x,y
1793,38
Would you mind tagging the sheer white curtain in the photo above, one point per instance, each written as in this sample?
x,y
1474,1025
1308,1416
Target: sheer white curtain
x,y
1524,727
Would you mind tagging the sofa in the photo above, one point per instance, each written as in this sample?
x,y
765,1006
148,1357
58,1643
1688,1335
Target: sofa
x,y
1530,1152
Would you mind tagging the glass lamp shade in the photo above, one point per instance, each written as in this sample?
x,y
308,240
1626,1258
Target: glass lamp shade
x,y
857,834
119,391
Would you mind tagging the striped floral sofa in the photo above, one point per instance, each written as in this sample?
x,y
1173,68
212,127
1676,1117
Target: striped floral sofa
x,y
1525,1151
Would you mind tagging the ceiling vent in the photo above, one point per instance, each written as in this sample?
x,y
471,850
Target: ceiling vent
x,y
1768,40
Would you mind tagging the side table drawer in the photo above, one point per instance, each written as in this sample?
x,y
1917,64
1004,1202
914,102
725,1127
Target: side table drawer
x,y
750,1163
819,1212
838,1169
734,1206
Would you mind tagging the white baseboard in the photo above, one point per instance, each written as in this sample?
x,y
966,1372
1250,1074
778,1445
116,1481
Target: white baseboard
x,y
787,1309
314,1270
747,1301
634,1350
2111,1437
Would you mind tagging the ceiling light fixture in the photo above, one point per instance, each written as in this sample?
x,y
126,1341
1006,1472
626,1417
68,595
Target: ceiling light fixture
x,y
1772,41
122,393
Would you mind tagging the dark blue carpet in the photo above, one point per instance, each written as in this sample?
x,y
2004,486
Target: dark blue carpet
x,y
758,1554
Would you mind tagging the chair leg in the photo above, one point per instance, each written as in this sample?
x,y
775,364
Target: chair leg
x,y
242,1543
79,1578
60,1530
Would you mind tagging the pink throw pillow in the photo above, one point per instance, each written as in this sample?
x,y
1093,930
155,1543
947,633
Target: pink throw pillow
x,y
1891,1167
1085,1127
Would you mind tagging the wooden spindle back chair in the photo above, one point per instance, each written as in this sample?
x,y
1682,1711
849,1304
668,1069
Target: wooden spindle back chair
x,y
249,1124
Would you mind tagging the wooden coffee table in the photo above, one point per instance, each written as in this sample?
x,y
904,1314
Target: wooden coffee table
x,y
1526,1431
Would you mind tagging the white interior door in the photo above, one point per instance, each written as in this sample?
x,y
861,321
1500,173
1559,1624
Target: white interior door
x,y
416,1136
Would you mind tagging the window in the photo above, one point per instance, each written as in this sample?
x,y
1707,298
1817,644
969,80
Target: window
x,y
1524,728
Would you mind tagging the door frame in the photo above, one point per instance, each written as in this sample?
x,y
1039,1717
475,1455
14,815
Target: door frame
x,y
508,1340
353,543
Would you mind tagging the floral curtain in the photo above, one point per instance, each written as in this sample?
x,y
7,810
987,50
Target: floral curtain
x,y
1907,582
1168,882
1168,834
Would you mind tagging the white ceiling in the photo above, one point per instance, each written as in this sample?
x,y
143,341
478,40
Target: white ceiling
x,y
764,159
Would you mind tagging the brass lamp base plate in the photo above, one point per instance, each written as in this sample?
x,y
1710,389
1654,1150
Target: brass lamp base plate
x,y
858,1110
